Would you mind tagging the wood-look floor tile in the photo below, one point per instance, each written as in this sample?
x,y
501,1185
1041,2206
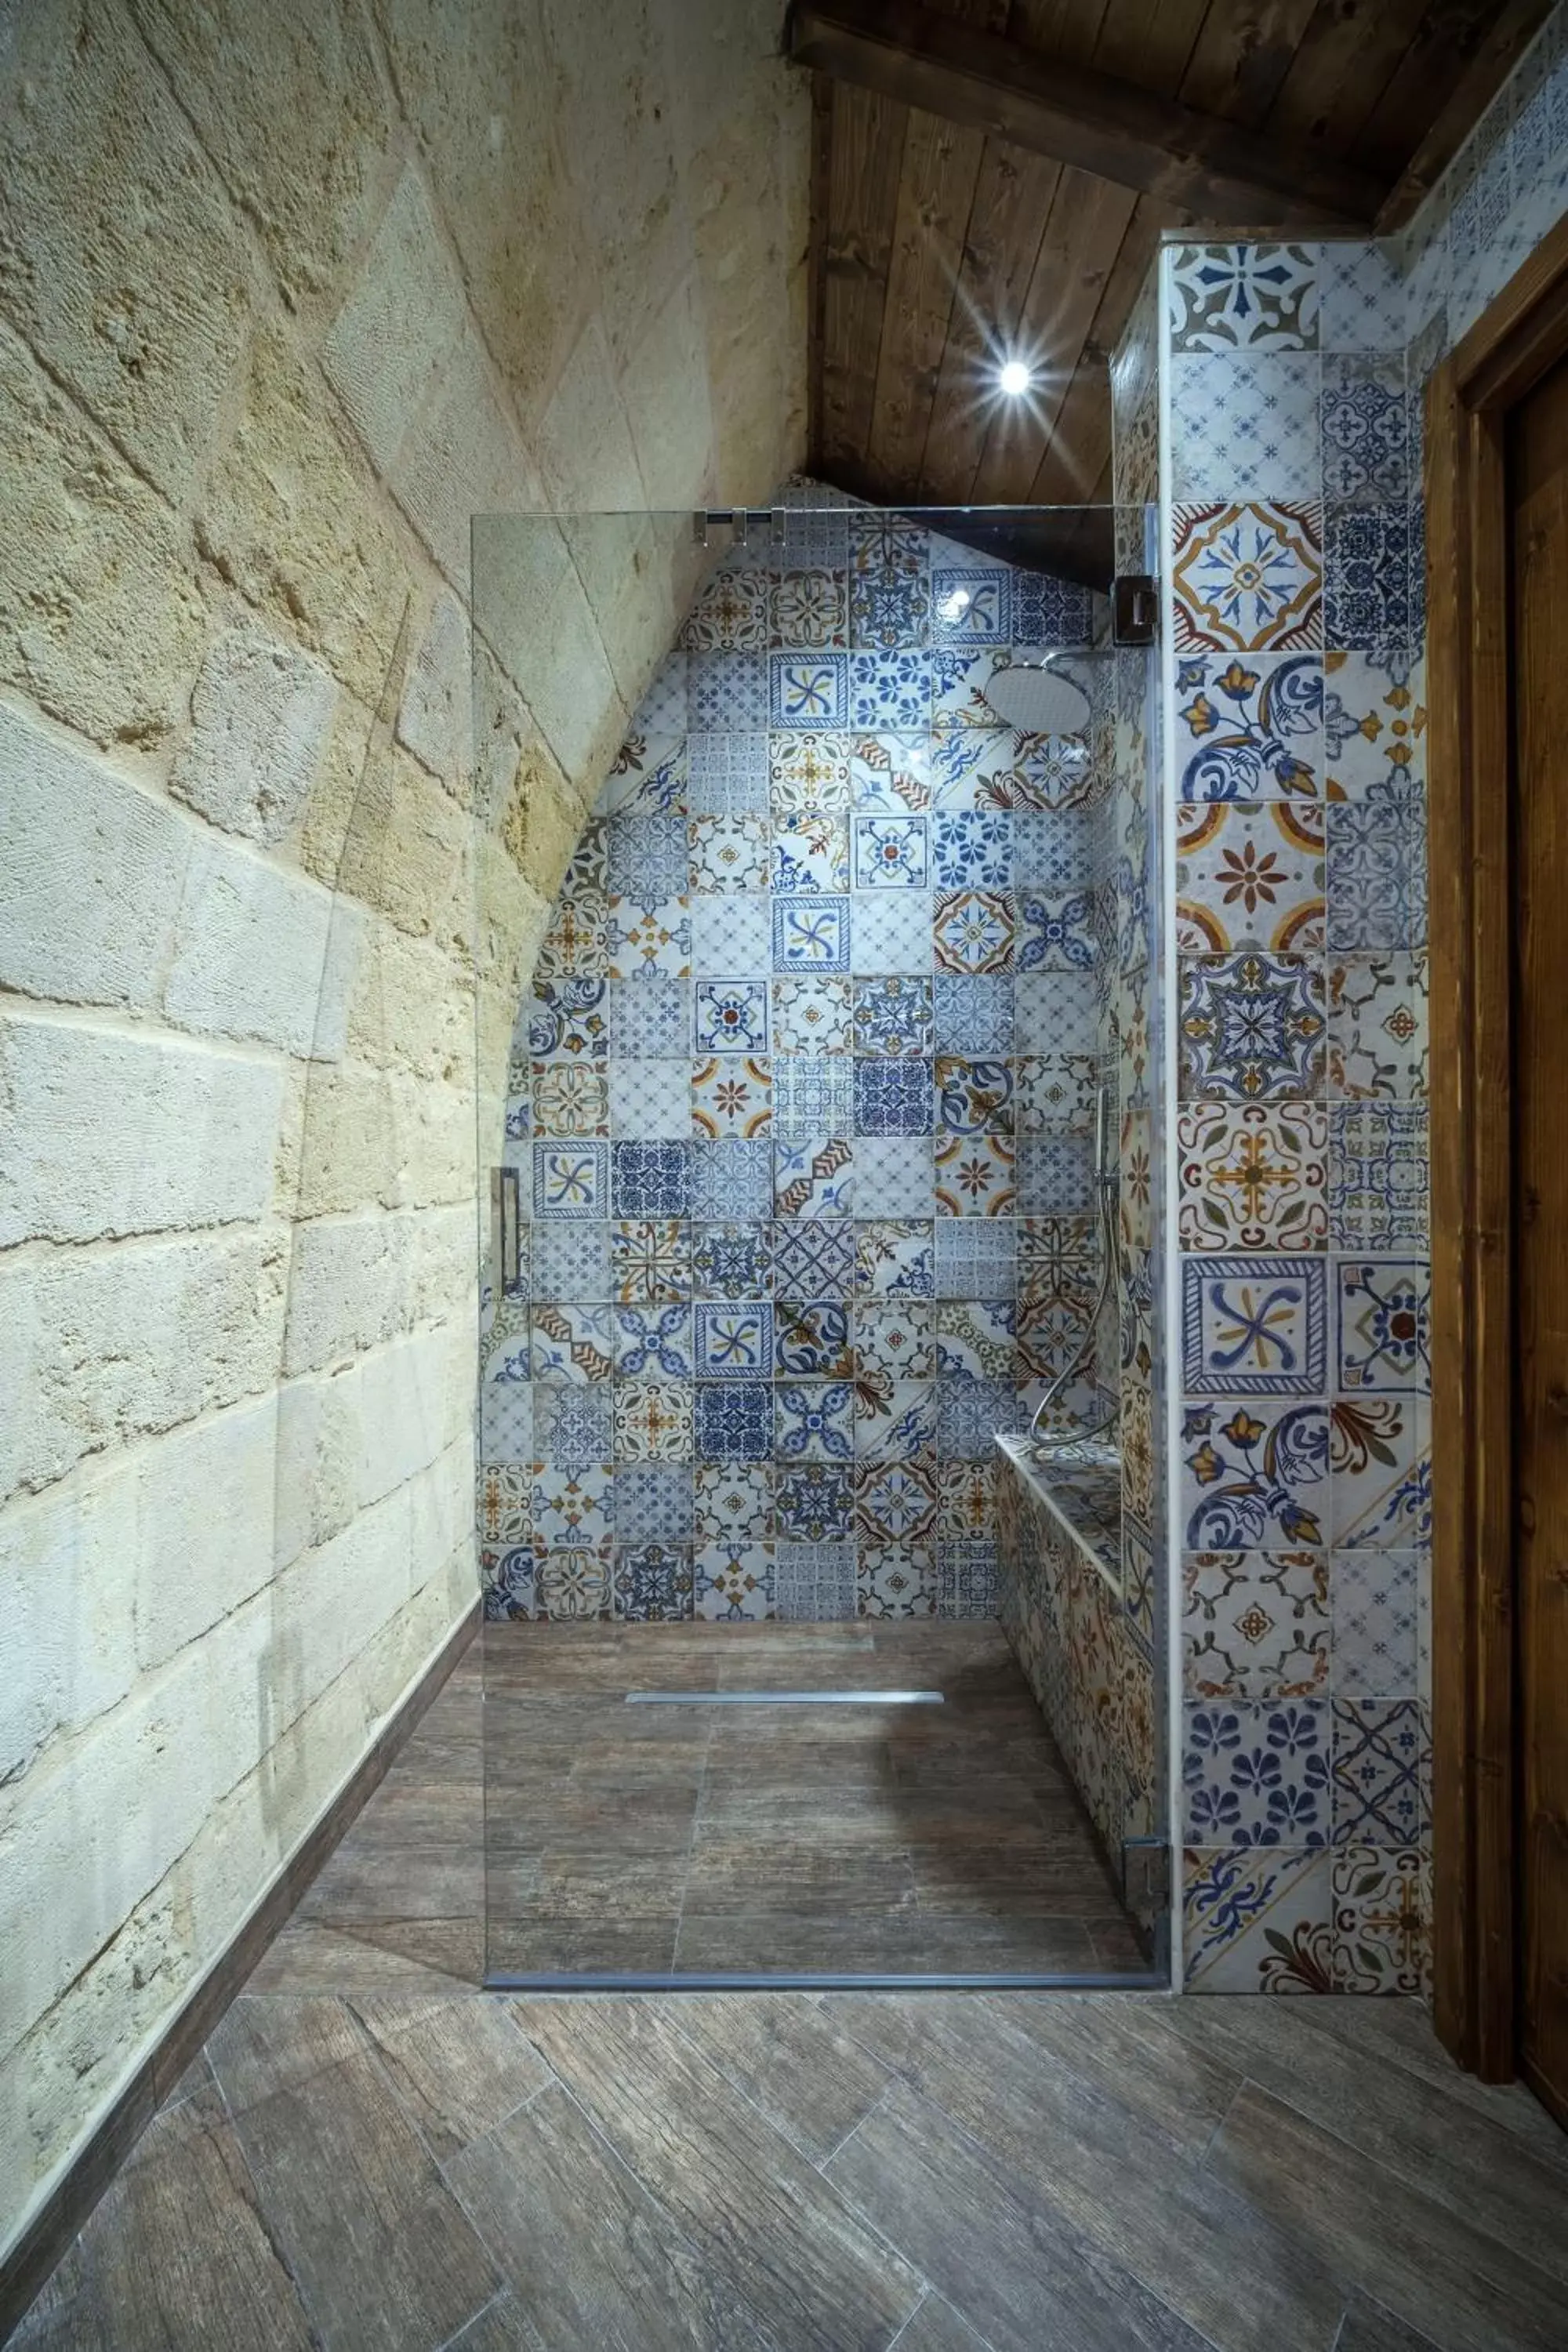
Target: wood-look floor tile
x,y
1021,2274
380,2252
1368,2327
811,2080
500,2327
458,2067
762,2218
1226,2269
732,1871
316,1956
902,1943
545,1943
1129,2052
937,2327
1457,2157
362,1880
1425,2262
177,2254
1400,2032
570,1883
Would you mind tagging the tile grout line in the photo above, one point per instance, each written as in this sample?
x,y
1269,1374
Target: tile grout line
x,y
264,2218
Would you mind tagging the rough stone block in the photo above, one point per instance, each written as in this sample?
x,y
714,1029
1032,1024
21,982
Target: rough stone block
x,y
259,953
204,1514
70,1643
438,699
260,715
403,314
461,457
356,1280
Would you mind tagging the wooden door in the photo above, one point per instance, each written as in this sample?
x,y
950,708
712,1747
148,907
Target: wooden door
x,y
1538,498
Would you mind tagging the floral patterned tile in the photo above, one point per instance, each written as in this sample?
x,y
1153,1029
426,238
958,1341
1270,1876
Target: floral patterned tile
x,y
653,1505
815,1580
1374,718
729,855
733,1501
1381,1921
505,1495
1378,1026
1375,1624
812,1339
889,773
1378,867
652,1421
813,1174
509,1578
573,1343
812,1016
811,853
652,1583
1383,1335
1252,1176
571,1506
730,613
817,1502
731,1096
976,1176
1255,1624
815,1421
574,1583
808,772
1383,1773
570,1098
895,1341
1254,1474
1247,577
896,1580
1230,298
1256,1773
974,931
1251,876
1377,1176
895,1420
1364,427
1255,1919
733,1582
732,1421
966,1502
895,1258
643,937
1253,1326
1366,575
1245,426
810,608
1252,1027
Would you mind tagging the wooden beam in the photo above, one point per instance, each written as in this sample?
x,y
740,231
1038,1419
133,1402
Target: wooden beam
x,y
1501,42
1225,176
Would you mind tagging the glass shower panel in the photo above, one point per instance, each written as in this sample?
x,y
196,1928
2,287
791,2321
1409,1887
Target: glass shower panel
x,y
801,1093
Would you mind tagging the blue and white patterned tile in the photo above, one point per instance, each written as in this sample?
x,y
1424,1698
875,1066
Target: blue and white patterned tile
x,y
974,1096
729,772
1383,1773
1252,1027
1054,1172
815,1502
974,1015
568,1019
731,612
734,1342
970,1416
732,935
728,856
574,1583
974,1339
1248,576
1374,1605
890,774
975,1258
571,1506
732,1094
1375,721
959,677
974,931
649,1018
1366,574
733,1583
1377,1176
651,1420
1365,429
1057,931
810,608
572,1342
972,849
1253,1326
568,1099
890,691
572,1426
812,1016
650,1261
652,1583
808,691
891,932
1048,611
811,935
895,1173
968,1579
732,1261
893,1016
651,1180
892,853
731,1180
1365,307
892,1096
814,1258
1383,1329
506,1421
731,1016
813,1091
1254,1474
727,690
653,1504
733,1421
894,1340
1255,1919
812,1339
1057,849
815,1581
895,1420
1257,1773
1380,1474
733,1500
895,1258
653,1343
651,1099
571,1181
645,937
1250,731
1377,868
1244,426
971,603
1232,298
508,1580
647,857
813,1420
814,1174
810,854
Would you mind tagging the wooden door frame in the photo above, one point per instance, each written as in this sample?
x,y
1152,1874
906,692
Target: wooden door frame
x,y
1522,335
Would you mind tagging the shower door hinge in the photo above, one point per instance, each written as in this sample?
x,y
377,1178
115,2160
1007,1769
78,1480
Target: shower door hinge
x,y
1134,609
505,1230
1145,1876
746,523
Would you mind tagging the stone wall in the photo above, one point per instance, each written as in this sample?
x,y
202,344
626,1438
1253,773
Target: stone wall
x,y
286,294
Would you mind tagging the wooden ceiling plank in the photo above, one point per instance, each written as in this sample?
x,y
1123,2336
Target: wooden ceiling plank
x,y
1012,204
1077,252
1080,442
1242,57
1345,61
1098,122
941,164
864,172
822,89
1506,33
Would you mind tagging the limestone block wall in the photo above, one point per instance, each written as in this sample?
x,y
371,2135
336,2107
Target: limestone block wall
x,y
287,295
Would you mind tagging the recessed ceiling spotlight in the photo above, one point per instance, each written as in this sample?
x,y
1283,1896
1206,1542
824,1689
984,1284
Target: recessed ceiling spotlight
x,y
1016,379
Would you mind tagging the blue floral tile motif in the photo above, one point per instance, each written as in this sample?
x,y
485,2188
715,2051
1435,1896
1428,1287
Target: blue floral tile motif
x,y
1255,727
892,931
735,1343
889,608
816,1502
1252,1028
972,849
652,1180
648,858
1227,298
507,1421
1255,1919
731,1016
732,1262
572,1261
974,1017
567,1018
813,1090
572,1425
1049,612
574,1583
1055,1172
727,690
570,1342
1377,1176
974,1098
815,1582
894,1171
654,1343
970,1414
1247,577
811,935
1365,435
975,1257
808,691
1377,866
970,605
1385,1332
1382,1764
974,1339
733,1583
974,931
814,1422
813,1258
649,1017
895,1421
1257,1774
571,1180
1376,1603
967,1580
508,1583
893,1016
1057,851
1056,932
895,1258
653,1504
896,1493
1366,568
890,853
814,1175
731,1181
812,1341
810,854
1253,1326
734,1421
652,1583
1254,1475
891,691
569,1507
892,1096
729,772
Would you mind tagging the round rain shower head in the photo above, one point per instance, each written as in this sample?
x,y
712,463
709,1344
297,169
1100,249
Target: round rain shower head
x,y
1035,698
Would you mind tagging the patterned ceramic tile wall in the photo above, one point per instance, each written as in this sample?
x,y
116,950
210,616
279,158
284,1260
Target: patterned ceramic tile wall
x,y
801,1091
1295,594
